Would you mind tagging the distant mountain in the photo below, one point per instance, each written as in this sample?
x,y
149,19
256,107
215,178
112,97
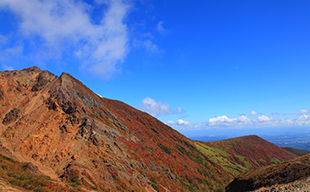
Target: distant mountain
x,y
282,175
238,155
298,152
72,135
300,139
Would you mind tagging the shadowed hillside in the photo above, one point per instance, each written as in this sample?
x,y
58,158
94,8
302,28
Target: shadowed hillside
x,y
298,152
282,173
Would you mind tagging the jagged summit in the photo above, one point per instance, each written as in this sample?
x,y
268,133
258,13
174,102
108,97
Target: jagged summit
x,y
62,127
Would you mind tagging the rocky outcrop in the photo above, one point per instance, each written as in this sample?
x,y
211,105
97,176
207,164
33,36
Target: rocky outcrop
x,y
42,79
299,185
11,116
1,94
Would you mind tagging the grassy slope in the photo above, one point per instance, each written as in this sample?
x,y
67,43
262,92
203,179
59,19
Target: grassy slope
x,y
20,176
239,155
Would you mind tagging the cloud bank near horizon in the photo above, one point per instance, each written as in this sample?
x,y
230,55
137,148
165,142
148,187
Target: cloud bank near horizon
x,y
223,121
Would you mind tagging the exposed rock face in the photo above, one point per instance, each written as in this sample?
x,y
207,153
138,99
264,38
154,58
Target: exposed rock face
x,y
11,116
1,94
299,185
43,79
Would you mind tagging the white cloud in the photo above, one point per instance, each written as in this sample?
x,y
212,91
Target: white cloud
x,y
157,108
303,120
224,121
182,122
303,111
220,120
170,123
264,118
244,119
254,113
65,27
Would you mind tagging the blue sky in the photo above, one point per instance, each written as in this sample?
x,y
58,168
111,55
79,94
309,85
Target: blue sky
x,y
202,67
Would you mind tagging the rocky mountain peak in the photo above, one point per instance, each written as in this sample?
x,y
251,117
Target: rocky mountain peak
x,y
64,129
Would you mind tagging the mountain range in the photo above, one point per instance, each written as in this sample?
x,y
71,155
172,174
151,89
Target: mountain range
x,y
58,129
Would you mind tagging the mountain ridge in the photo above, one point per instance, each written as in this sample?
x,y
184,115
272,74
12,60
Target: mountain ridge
x,y
66,130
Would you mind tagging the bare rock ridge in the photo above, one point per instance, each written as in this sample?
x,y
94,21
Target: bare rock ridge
x,y
66,131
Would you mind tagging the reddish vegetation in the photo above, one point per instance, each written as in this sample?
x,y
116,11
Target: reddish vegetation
x,y
257,151
62,126
286,172
71,134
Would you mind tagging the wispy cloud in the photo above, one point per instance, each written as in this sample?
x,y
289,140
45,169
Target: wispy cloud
x,y
303,111
146,43
160,28
151,47
180,110
7,68
59,28
254,113
157,108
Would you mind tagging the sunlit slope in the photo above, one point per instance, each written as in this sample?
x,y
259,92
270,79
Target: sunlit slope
x,y
238,155
62,127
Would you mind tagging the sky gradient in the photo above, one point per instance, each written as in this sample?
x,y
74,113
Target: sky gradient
x,y
202,67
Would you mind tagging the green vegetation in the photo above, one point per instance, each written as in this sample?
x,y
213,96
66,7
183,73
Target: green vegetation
x,y
155,184
19,175
165,149
224,159
274,160
74,178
